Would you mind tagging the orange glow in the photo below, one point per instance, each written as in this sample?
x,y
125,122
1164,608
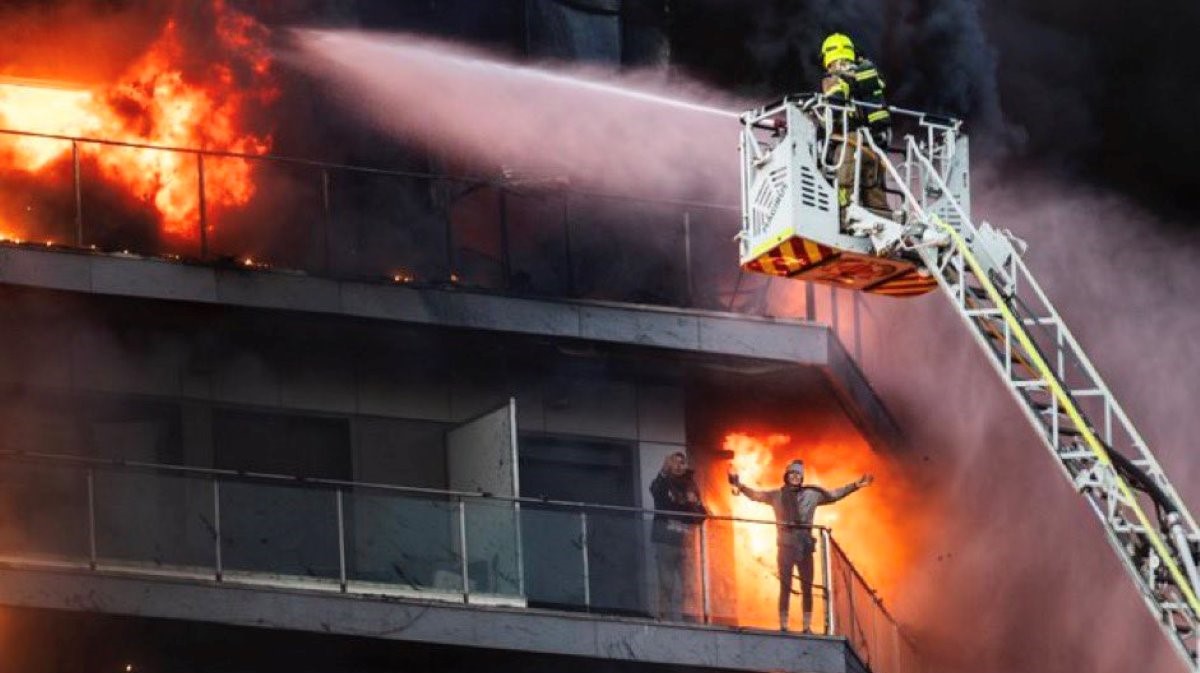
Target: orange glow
x,y
868,524
154,102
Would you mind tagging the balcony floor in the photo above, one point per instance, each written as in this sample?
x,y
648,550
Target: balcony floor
x,y
249,602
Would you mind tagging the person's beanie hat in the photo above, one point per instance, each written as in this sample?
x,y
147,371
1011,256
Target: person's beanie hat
x,y
794,466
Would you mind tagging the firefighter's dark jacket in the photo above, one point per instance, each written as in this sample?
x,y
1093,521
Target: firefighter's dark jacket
x,y
861,82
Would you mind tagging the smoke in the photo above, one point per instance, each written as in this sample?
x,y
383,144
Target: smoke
x,y
633,133
1016,576
935,54
955,65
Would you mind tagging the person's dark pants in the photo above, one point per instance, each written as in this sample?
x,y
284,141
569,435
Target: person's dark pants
x,y
791,557
676,563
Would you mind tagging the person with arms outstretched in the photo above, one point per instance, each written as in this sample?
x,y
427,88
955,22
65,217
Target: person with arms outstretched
x,y
794,505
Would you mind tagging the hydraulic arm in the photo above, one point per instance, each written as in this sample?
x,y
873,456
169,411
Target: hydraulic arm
x,y
980,271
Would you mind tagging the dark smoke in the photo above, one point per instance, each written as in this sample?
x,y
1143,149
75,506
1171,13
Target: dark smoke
x,y
1093,88
935,53
1018,576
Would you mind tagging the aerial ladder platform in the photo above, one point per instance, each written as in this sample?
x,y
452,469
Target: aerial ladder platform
x,y
798,221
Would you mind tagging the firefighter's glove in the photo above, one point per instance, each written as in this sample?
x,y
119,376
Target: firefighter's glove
x,y
734,480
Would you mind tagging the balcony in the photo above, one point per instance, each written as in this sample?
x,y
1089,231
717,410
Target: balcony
x,y
516,234
421,565
510,253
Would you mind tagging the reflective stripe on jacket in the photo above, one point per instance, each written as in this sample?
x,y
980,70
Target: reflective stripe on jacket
x,y
861,82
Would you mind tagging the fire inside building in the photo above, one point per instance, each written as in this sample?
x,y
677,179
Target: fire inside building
x,y
337,350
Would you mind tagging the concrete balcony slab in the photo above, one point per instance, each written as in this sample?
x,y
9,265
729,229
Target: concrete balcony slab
x,y
702,333
496,628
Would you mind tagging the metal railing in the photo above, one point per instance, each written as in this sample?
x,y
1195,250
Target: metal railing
x,y
374,539
534,235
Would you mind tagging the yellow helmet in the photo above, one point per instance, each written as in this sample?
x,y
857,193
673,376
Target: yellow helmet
x,y
836,47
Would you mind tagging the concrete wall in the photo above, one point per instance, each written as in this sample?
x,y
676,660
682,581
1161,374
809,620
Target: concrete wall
x,y
145,381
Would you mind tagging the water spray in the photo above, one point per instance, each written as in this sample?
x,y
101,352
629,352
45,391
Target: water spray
x,y
430,50
632,133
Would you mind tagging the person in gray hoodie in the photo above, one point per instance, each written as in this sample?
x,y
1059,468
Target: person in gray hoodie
x,y
794,506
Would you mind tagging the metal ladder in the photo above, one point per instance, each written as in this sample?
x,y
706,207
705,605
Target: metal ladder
x,y
980,271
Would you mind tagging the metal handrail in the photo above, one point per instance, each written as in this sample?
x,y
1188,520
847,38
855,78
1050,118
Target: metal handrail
x,y
835,547
831,587
354,168
86,462
925,118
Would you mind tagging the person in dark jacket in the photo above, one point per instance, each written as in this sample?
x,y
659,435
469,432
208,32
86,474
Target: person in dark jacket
x,y
674,537
794,506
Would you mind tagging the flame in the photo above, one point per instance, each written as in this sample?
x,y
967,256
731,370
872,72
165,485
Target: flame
x,y
869,525
154,102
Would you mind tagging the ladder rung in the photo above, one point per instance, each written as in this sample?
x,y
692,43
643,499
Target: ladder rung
x,y
1123,526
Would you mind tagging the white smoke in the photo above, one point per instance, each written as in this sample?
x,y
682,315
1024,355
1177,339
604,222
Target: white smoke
x,y
1018,577
632,133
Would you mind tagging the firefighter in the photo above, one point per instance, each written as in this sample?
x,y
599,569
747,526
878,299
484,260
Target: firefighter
x,y
794,506
850,79
675,537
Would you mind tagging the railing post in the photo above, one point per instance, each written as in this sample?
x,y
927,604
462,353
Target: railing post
x,y
341,526
566,215
517,521
203,208
78,193
737,287
834,322
91,503
896,665
326,221
688,289
217,528
827,565
583,547
462,547
505,258
451,258
704,595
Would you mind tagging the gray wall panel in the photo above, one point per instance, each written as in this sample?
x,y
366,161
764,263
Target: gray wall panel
x,y
153,278
661,414
594,408
246,378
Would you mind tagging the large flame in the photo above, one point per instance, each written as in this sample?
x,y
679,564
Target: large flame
x,y
156,101
869,525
